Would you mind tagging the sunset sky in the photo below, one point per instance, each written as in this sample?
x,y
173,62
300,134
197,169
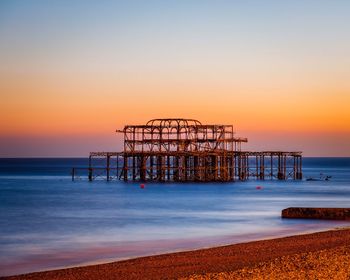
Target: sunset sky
x,y
72,72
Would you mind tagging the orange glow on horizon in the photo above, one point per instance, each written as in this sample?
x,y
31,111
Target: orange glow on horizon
x,y
34,109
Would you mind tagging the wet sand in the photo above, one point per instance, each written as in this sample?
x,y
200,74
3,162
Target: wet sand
x,y
323,255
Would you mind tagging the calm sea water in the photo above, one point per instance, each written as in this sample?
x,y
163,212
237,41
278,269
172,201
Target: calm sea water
x,y
47,221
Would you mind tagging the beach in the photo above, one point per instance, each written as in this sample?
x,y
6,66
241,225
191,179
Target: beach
x,y
322,255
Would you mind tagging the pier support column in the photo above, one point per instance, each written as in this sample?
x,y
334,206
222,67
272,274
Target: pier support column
x,y
185,168
108,167
133,167
196,168
125,169
243,167
281,175
206,168
271,166
214,168
176,168
117,166
239,167
142,168
151,166
232,168
299,174
90,169
160,168
262,168
168,165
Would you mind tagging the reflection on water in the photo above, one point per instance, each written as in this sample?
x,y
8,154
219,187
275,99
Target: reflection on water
x,y
47,221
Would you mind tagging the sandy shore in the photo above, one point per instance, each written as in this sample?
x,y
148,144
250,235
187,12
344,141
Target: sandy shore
x,y
324,255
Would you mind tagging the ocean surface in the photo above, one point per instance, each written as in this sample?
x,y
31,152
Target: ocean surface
x,y
47,221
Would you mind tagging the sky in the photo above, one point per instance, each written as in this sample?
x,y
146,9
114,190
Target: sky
x,y
72,72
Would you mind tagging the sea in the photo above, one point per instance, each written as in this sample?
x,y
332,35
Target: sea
x,y
48,221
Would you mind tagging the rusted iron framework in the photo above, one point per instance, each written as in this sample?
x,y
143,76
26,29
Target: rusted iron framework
x,y
184,150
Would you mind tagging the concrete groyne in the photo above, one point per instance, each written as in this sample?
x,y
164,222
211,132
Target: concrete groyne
x,y
316,213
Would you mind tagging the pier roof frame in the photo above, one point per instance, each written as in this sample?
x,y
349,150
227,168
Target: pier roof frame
x,y
181,135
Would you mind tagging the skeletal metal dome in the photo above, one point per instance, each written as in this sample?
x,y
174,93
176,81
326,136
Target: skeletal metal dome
x,y
173,122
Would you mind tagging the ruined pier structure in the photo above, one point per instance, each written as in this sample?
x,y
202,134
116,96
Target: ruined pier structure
x,y
184,150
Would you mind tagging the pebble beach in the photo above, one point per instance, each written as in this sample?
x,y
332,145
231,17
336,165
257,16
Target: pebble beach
x,y
322,255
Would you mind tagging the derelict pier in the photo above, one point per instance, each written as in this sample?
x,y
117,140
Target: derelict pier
x,y
183,150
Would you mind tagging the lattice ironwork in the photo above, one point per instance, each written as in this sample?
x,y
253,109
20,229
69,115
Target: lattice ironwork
x,y
187,150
